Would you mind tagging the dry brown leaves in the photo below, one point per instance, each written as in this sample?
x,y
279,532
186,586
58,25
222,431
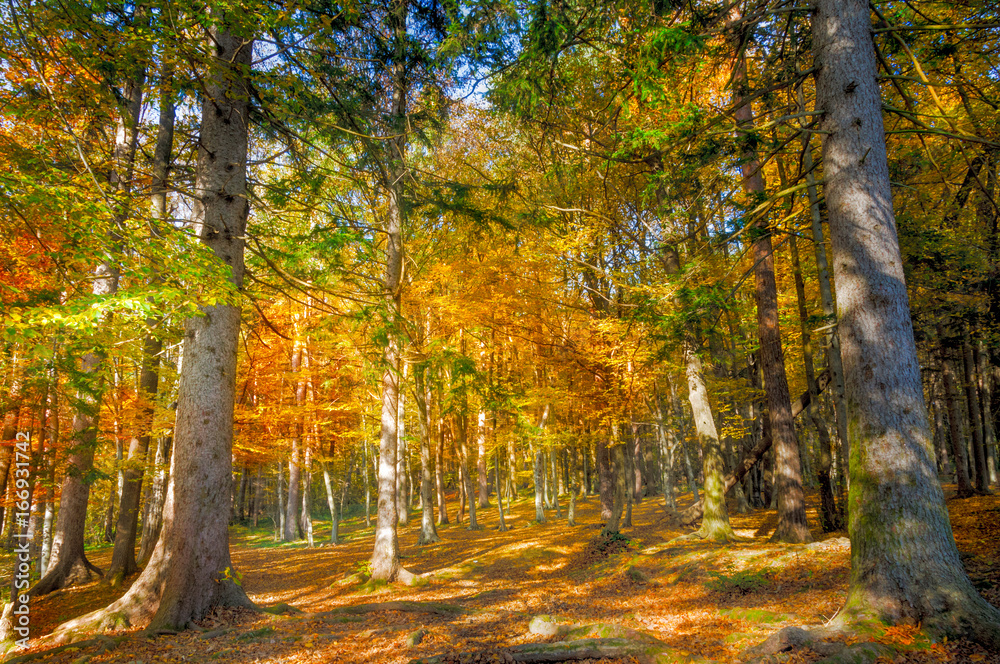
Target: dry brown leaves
x,y
652,585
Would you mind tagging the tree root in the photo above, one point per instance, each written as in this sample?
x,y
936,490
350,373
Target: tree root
x,y
822,640
434,608
591,641
105,644
566,651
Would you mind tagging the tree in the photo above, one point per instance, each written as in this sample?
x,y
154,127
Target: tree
x,y
190,569
904,563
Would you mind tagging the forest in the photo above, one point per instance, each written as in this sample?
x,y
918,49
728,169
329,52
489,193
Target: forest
x,y
460,331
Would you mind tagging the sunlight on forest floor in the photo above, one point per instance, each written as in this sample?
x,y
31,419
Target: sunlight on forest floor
x,y
708,600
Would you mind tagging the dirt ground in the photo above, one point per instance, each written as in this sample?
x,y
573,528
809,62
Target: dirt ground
x,y
481,588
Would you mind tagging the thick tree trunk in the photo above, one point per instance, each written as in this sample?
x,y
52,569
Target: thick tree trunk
x,y
637,464
385,557
904,563
190,570
715,517
554,483
715,522
292,529
620,482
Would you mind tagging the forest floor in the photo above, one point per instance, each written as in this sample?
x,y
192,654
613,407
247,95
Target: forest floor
x,y
481,589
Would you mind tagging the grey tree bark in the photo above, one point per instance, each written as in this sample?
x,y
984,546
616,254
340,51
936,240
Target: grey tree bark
x,y
190,570
904,563
292,529
428,533
385,557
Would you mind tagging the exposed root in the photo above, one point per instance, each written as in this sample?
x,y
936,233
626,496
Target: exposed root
x,y
596,641
828,640
426,539
281,609
434,608
104,643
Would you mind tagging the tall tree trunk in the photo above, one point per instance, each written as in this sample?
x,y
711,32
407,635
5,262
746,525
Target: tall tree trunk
x,y
637,464
975,419
241,495
904,563
190,570
792,526
715,519
619,489
442,506
503,522
402,457
293,527
833,357
986,396
332,504
279,522
681,440
68,563
428,533
481,465
954,430
829,516
291,530
461,440
367,480
554,482
666,454
305,518
539,469
539,481
715,522
385,557
123,561
152,520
